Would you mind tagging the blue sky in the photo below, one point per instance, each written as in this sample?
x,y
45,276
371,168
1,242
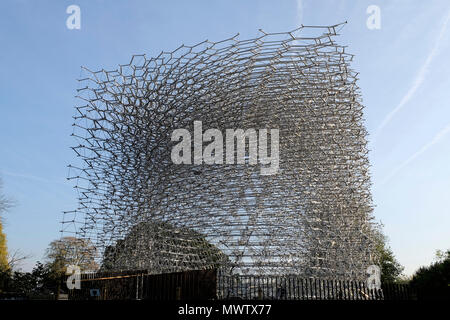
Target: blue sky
x,y
404,68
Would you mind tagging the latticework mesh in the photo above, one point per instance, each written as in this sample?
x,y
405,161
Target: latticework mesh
x,y
311,218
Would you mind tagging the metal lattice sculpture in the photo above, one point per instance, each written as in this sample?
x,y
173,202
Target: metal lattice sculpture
x,y
144,212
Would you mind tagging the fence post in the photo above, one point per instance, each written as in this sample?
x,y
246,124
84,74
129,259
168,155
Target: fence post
x,y
178,293
137,287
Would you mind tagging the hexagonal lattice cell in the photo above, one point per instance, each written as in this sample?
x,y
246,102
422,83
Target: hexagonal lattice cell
x,y
142,211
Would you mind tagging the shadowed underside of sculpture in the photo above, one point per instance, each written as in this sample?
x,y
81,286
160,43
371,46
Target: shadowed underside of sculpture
x,y
311,218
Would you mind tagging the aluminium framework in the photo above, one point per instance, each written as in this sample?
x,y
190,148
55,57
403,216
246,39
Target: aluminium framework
x,y
142,211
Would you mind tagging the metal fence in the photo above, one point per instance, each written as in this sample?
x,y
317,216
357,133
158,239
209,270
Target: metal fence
x,y
209,284
297,288
136,285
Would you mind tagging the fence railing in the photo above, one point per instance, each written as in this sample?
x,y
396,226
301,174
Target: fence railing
x,y
209,284
128,285
122,285
298,288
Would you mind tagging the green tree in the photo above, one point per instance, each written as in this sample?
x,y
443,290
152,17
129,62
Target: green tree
x,y
442,256
433,282
391,269
62,253
41,283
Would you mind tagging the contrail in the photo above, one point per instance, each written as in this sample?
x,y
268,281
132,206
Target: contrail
x,y
31,177
441,134
419,78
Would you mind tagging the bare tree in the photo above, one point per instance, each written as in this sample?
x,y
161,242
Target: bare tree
x,y
16,258
5,204
72,251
